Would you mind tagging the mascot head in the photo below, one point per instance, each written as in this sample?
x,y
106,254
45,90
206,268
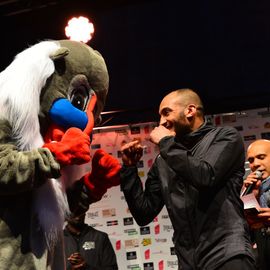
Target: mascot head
x,y
52,82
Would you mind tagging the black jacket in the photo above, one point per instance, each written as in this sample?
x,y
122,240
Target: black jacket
x,y
199,180
94,246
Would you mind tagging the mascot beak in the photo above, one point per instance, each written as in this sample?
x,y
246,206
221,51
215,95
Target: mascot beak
x,y
64,115
90,113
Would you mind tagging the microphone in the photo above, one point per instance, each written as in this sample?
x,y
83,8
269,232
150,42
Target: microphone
x,y
250,187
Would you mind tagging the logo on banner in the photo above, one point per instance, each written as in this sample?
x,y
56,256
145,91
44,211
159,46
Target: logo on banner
x,y
144,230
161,265
95,146
157,229
118,245
140,164
132,255
148,266
150,163
128,221
92,215
135,130
94,225
147,254
167,228
161,240
109,213
131,231
146,242
134,267
172,251
265,135
112,222
146,129
172,264
147,150
131,243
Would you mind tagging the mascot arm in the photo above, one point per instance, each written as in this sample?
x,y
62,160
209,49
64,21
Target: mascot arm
x,y
22,171
91,187
105,174
74,148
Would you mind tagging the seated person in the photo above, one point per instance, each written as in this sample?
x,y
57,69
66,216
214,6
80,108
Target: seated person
x,y
87,248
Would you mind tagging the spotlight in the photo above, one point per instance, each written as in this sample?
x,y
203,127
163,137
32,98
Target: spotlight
x,y
79,29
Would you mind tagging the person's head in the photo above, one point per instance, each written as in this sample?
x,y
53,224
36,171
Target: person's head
x,y
76,221
258,156
181,111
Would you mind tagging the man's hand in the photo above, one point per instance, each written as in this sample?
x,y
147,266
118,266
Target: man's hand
x,y
77,261
260,220
131,153
250,180
160,132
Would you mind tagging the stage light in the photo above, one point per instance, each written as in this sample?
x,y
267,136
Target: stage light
x,y
79,29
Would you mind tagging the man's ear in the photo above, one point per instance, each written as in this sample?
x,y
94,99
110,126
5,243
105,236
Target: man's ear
x,y
190,110
59,53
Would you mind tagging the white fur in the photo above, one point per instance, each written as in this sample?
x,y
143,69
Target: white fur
x,y
51,207
20,86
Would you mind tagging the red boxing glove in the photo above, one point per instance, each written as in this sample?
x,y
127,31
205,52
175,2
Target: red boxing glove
x,y
104,174
73,148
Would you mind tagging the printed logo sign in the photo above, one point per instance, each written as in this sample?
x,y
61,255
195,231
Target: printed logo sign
x,y
118,245
161,265
157,229
108,212
131,231
172,250
134,267
112,222
144,230
148,266
147,254
128,221
131,243
146,242
131,255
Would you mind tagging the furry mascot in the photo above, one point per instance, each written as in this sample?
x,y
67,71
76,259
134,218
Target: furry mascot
x,y
51,95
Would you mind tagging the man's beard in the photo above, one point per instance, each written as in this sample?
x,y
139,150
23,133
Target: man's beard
x,y
181,126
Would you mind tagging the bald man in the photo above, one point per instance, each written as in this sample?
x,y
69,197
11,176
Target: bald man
x,y
198,176
258,156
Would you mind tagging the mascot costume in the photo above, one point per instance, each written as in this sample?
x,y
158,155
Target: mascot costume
x,y
51,96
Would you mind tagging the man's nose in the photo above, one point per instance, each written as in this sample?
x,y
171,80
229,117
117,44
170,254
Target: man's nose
x,y
256,163
162,121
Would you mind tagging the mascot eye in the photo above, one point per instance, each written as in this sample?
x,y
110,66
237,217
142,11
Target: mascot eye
x,y
79,98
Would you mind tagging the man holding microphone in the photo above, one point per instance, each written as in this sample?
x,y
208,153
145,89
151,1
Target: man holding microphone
x,y
258,182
